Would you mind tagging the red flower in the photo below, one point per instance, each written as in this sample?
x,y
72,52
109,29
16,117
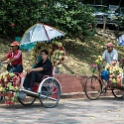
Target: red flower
x,y
14,79
63,58
12,25
94,65
90,26
11,103
118,16
14,84
7,102
57,47
59,63
51,53
123,60
61,48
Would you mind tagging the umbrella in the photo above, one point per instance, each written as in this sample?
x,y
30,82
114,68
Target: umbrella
x,y
39,33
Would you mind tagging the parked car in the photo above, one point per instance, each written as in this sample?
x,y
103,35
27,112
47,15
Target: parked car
x,y
111,13
99,12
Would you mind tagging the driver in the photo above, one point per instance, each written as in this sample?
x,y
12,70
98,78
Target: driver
x,y
110,55
15,58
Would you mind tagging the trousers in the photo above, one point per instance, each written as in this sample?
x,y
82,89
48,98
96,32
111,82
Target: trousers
x,y
17,68
31,78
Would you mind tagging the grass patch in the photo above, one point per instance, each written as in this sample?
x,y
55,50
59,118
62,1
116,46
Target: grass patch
x,y
80,54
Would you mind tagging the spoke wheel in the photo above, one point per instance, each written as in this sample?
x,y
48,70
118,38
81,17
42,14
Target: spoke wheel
x,y
92,88
1,98
118,93
50,92
28,100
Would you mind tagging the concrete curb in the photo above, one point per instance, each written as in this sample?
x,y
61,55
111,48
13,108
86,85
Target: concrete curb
x,y
82,95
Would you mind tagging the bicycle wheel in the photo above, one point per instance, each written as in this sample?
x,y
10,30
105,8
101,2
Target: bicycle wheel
x,y
50,92
92,88
118,93
28,100
1,98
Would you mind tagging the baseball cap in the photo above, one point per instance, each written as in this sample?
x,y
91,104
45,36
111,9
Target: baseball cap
x,y
14,43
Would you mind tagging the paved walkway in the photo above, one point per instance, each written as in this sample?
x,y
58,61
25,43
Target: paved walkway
x,y
69,111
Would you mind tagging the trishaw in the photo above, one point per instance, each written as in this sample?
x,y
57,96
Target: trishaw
x,y
95,85
48,91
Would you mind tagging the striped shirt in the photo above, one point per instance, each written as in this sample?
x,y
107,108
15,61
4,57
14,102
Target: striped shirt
x,y
17,55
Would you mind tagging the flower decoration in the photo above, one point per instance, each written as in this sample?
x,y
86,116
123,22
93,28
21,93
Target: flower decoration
x,y
9,87
115,74
12,25
123,60
56,52
96,64
99,60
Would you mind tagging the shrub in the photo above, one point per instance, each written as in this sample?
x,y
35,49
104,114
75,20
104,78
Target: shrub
x,y
71,17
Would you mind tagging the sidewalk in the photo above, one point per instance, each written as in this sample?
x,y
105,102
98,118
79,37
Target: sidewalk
x,y
73,86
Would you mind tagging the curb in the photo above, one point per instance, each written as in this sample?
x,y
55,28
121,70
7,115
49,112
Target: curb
x,y
82,95
73,95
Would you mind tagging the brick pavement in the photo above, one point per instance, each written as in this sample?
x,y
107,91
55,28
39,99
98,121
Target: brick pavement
x,y
69,111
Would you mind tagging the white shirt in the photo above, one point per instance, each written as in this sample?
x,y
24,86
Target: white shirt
x,y
110,56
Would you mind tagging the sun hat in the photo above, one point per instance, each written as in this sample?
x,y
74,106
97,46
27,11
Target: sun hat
x,y
14,43
110,44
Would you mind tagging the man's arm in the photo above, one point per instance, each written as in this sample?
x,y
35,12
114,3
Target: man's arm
x,y
115,57
3,59
6,57
35,69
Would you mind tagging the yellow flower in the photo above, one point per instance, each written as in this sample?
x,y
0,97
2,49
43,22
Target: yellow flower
x,y
96,61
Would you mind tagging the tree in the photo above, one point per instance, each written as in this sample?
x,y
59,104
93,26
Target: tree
x,y
71,17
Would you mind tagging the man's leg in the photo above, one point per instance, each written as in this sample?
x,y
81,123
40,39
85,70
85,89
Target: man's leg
x,y
18,68
38,78
26,81
33,77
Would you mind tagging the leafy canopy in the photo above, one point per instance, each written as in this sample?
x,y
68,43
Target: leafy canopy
x,y
16,16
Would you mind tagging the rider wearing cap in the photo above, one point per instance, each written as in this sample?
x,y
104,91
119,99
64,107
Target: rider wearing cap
x,y
15,58
110,55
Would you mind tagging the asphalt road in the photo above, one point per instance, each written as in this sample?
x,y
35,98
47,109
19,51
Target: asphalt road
x,y
68,111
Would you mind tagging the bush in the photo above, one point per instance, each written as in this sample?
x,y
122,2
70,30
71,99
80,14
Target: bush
x,y
70,17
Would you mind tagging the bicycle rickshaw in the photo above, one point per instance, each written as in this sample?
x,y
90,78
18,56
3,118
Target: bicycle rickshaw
x,y
95,86
48,91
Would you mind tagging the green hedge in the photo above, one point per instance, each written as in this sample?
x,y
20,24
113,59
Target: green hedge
x,y
18,15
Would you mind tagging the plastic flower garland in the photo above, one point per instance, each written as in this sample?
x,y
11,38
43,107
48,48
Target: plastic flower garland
x,y
56,52
96,64
9,87
115,74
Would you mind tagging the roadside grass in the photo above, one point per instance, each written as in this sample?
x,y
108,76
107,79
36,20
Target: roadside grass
x,y
80,54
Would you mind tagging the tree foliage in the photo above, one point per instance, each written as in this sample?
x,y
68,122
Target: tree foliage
x,y
68,16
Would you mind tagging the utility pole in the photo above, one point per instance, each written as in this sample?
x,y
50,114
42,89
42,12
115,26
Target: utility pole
x,y
119,2
94,2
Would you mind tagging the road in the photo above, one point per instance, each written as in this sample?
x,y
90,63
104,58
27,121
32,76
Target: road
x,y
69,111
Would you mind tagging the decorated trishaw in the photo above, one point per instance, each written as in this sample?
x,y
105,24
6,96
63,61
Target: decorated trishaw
x,y
104,77
48,91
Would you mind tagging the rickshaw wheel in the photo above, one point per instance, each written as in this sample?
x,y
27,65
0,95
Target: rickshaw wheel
x,y
1,98
28,100
50,92
118,93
